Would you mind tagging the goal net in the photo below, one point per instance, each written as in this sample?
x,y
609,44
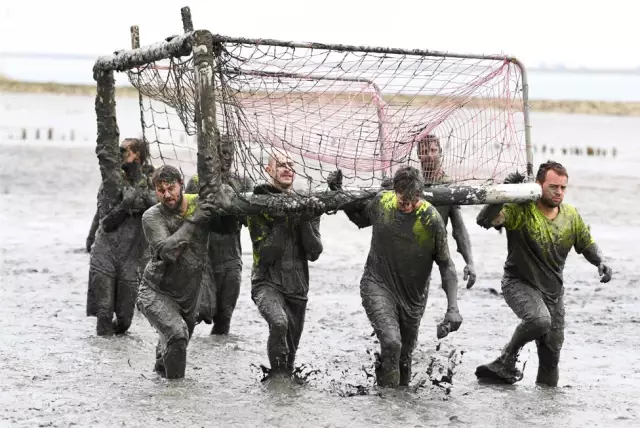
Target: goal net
x,y
365,111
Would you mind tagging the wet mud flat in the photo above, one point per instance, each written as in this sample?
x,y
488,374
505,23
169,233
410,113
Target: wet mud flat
x,y
54,371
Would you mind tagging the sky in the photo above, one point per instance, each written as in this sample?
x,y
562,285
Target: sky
x,y
594,34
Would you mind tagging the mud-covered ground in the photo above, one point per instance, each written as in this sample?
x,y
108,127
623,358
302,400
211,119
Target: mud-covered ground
x,y
54,371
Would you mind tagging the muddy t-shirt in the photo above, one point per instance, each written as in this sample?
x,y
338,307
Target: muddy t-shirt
x,y
538,247
180,279
290,273
403,248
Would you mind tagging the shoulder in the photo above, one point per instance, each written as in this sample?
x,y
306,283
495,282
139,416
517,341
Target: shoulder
x,y
152,213
429,214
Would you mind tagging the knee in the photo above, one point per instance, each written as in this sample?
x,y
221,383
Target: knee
x,y
390,343
279,326
540,325
178,332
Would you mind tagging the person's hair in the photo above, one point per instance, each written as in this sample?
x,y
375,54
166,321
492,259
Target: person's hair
x,y
226,141
550,166
408,182
139,146
428,140
166,174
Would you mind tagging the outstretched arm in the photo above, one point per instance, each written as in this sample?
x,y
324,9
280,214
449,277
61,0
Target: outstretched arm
x,y
310,237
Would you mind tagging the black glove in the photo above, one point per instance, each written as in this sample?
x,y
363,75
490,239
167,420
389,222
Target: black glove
x,y
334,180
514,178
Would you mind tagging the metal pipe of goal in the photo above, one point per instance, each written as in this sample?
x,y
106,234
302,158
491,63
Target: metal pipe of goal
x,y
250,204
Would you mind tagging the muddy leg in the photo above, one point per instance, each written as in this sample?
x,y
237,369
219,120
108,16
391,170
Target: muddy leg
x,y
159,365
383,314
409,328
271,305
228,292
296,310
126,295
164,315
100,301
527,303
550,345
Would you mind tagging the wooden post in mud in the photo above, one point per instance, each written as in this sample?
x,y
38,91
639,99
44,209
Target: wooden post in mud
x,y
209,166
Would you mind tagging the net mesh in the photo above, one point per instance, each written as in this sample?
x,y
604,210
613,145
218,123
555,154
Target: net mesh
x,y
366,113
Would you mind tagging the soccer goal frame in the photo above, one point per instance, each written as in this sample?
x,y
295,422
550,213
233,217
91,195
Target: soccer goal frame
x,y
203,46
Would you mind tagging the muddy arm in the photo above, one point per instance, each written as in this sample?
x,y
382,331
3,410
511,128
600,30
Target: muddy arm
x,y
310,237
168,247
224,225
358,212
460,234
491,216
92,230
444,262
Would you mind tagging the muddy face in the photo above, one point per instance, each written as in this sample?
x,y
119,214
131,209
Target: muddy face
x,y
128,155
169,194
227,151
554,188
281,170
429,155
407,204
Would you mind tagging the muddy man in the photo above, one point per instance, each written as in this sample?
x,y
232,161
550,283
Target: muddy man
x,y
540,235
408,236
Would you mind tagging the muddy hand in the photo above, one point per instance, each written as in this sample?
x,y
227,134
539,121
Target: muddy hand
x,y
334,180
203,212
129,195
469,275
89,243
605,273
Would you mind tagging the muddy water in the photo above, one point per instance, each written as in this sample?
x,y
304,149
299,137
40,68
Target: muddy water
x,y
54,371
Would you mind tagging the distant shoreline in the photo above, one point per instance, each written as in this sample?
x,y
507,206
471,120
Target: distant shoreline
x,y
612,108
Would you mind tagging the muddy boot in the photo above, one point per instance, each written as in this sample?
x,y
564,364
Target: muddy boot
x,y
122,325
105,325
502,369
159,368
405,372
547,376
388,375
220,326
175,359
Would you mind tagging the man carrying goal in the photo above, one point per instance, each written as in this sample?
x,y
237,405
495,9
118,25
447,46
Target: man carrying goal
x,y
283,246
177,230
540,235
430,156
408,236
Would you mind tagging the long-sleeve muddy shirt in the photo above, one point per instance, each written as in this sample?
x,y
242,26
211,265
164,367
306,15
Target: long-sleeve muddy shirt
x,y
403,247
178,252
538,247
282,249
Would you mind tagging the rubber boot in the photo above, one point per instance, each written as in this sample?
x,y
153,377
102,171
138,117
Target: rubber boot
x,y
175,359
